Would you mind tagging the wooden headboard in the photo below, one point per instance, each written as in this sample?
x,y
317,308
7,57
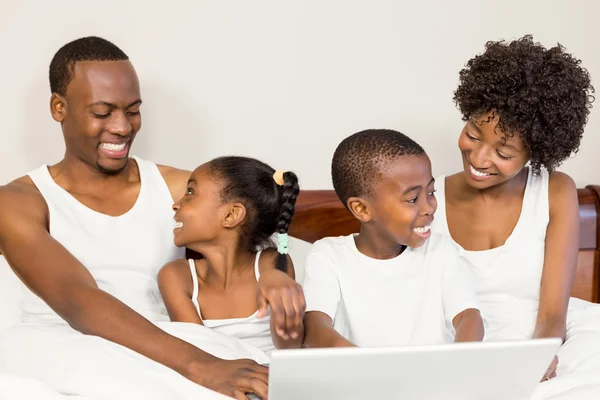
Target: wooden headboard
x,y
319,213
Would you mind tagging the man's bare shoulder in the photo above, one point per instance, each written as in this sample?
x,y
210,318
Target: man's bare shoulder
x,y
21,205
176,180
20,190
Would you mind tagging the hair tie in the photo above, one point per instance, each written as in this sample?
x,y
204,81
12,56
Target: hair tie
x,y
278,177
282,243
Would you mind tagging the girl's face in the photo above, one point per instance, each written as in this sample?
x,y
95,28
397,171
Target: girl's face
x,y
199,213
490,158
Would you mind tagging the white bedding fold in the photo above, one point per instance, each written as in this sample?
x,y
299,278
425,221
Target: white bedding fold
x,y
71,363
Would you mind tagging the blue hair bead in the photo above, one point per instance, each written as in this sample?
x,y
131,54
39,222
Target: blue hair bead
x,y
282,243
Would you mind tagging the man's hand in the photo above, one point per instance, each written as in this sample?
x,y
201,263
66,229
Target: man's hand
x,y
233,378
286,299
551,372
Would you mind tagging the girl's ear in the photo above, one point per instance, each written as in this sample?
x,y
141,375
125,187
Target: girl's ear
x,y
360,208
234,216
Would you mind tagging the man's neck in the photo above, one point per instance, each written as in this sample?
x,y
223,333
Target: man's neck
x,y
72,173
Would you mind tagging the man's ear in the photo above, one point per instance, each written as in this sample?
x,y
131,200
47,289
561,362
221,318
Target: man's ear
x,y
235,214
360,208
58,107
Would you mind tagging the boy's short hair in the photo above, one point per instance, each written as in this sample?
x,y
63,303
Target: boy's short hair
x,y
360,159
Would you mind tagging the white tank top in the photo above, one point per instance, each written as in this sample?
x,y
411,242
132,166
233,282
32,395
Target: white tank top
x,y
254,330
507,279
124,253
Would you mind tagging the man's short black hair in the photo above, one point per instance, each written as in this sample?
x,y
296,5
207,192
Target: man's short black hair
x,y
91,48
360,159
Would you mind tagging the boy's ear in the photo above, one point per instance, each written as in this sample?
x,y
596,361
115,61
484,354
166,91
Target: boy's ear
x,y
360,208
234,215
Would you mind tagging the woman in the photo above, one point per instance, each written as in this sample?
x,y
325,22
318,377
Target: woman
x,y
511,215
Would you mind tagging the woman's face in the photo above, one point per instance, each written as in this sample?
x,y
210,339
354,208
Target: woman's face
x,y
489,156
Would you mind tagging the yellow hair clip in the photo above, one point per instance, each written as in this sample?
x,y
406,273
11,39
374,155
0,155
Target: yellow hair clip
x,y
278,177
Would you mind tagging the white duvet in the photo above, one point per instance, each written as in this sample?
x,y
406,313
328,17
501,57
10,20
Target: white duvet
x,y
579,358
60,362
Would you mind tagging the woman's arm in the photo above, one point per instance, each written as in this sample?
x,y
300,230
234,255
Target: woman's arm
x,y
176,288
560,258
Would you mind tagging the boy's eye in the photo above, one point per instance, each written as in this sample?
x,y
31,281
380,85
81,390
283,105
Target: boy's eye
x,y
189,191
432,192
413,200
101,116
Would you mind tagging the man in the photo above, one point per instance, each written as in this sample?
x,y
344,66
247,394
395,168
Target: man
x,y
88,235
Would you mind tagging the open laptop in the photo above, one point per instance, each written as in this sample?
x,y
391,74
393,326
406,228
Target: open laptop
x,y
465,371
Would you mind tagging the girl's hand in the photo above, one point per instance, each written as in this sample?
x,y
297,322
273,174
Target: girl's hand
x,y
286,299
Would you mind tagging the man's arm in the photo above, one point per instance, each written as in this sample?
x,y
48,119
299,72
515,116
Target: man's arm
x,y
58,278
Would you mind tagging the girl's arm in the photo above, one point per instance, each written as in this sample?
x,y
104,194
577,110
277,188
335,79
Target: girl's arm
x,y
176,287
286,298
560,258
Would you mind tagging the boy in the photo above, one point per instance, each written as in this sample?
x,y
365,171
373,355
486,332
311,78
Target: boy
x,y
395,283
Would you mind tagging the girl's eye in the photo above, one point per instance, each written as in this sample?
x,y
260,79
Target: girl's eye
x,y
412,201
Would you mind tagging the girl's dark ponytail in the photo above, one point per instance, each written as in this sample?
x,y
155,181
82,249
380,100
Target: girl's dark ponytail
x,y
289,195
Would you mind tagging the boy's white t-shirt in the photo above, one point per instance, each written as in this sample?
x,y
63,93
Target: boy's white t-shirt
x,y
408,300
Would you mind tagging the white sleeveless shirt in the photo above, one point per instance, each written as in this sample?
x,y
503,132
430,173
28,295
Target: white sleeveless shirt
x,y
256,331
507,279
123,253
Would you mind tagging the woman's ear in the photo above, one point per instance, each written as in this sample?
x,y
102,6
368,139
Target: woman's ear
x,y
360,208
235,215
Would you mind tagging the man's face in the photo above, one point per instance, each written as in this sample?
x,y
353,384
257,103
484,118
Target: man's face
x,y
100,113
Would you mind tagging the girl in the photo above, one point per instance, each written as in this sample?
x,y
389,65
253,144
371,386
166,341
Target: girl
x,y
232,207
513,217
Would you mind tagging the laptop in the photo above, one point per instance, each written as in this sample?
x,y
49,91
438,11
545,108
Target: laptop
x,y
465,371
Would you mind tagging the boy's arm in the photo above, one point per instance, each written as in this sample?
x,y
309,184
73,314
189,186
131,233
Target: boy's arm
x,y
319,332
176,288
322,293
468,326
460,304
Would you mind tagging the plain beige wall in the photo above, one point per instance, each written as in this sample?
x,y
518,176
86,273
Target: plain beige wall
x,y
283,81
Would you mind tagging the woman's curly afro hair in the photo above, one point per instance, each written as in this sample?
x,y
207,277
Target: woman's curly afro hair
x,y
543,94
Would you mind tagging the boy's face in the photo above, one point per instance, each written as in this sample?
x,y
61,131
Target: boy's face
x,y
402,203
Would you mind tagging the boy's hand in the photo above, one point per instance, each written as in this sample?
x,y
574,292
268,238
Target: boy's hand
x,y
286,299
551,372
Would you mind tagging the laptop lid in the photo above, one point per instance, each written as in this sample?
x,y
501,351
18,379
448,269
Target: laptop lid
x,y
461,371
